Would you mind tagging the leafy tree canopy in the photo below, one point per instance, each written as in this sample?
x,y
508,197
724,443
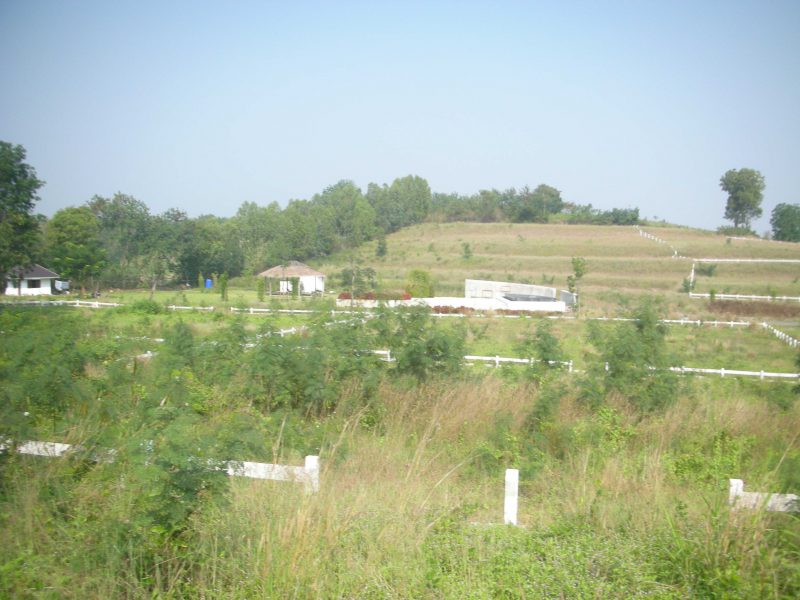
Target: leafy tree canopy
x,y
72,240
785,222
18,195
745,189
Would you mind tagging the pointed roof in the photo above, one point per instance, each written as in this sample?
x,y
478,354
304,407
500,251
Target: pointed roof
x,y
33,272
291,269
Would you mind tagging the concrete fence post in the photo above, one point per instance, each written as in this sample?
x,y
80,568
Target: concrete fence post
x,y
511,497
311,467
736,487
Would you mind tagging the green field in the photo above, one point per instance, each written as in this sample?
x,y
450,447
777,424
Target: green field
x,y
623,472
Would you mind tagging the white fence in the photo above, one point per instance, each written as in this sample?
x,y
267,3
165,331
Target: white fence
x,y
738,498
784,337
746,297
788,261
288,311
734,372
698,322
498,361
650,236
308,474
80,303
173,307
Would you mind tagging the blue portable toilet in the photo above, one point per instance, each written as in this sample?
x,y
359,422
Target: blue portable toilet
x,y
209,284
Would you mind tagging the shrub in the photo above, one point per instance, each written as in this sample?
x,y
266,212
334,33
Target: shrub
x,y
707,270
543,347
422,347
419,284
146,307
634,360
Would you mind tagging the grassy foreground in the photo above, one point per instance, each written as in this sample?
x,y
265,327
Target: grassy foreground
x,y
616,501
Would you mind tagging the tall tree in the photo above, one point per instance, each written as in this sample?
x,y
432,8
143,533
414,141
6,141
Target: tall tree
x,y
125,224
18,195
256,227
353,216
406,202
745,189
72,245
785,222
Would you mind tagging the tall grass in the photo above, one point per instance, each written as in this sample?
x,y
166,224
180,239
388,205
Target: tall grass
x,y
616,501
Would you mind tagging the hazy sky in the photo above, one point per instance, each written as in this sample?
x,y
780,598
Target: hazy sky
x,y
205,105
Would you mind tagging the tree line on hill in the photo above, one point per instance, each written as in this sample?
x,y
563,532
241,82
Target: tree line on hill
x,y
119,242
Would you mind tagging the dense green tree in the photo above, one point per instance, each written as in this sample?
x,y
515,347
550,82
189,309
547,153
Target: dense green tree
x,y
406,202
745,189
210,246
18,195
73,247
257,228
535,206
785,222
353,216
160,258
124,233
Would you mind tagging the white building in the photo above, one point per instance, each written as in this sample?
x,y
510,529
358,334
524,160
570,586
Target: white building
x,y
34,281
311,281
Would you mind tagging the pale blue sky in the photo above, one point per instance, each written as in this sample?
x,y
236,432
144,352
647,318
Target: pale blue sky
x,y
205,105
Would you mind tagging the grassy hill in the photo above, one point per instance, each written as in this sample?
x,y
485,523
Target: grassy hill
x,y
620,261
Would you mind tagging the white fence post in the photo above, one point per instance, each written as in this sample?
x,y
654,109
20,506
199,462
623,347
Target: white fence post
x,y
735,490
312,473
511,497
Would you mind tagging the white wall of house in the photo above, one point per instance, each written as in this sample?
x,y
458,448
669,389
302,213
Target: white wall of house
x,y
30,287
312,283
309,284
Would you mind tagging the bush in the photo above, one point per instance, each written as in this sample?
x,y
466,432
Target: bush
x,y
146,307
421,346
419,284
737,231
708,270
634,360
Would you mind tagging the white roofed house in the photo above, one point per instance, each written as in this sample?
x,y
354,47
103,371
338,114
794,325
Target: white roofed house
x,y
310,281
33,281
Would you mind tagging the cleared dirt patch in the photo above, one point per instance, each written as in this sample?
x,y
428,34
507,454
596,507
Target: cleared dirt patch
x,y
745,308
